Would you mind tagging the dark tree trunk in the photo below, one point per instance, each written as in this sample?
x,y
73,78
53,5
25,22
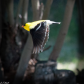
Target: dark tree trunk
x,y
11,40
1,21
80,4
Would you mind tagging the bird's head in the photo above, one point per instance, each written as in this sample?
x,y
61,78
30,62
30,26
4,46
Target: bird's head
x,y
30,25
26,26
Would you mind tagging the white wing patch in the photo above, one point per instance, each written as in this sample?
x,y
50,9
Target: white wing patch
x,y
38,26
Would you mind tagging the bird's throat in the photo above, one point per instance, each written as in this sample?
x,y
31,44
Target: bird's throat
x,y
27,28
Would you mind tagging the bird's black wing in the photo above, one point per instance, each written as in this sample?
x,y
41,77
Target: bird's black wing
x,y
40,35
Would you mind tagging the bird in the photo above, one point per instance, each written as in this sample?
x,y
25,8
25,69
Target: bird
x,y
39,31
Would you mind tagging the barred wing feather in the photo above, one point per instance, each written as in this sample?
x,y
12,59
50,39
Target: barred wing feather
x,y
40,35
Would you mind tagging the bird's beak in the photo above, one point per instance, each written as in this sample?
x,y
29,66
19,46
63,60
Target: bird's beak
x,y
22,26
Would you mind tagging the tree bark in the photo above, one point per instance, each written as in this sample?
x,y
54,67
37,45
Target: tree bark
x,y
63,31
10,12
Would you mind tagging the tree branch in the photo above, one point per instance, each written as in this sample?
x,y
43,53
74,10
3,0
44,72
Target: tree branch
x,y
47,9
47,48
63,31
41,8
35,8
25,11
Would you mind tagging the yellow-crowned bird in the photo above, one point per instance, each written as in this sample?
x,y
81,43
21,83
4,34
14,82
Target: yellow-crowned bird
x,y
39,31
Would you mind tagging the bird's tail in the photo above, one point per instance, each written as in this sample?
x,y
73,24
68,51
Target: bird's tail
x,y
56,22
